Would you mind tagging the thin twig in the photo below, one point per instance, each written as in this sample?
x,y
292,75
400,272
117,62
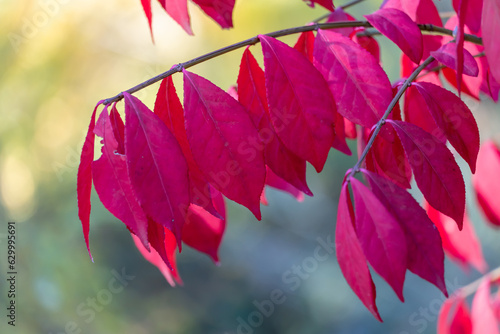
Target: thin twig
x,y
470,288
279,33
440,67
391,106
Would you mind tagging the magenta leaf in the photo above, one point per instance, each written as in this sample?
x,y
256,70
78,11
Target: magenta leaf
x,y
252,95
277,182
483,315
301,107
84,179
328,4
425,252
454,118
118,129
156,166
399,28
154,258
146,5
359,85
158,240
472,10
221,11
338,15
219,131
486,182
350,255
381,237
490,26
177,9
203,231
447,55
454,316
112,184
169,108
436,171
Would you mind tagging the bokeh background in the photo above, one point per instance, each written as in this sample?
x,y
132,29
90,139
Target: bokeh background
x,y
57,59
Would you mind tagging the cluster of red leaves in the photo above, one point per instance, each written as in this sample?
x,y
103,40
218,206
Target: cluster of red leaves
x,y
484,317
221,11
163,172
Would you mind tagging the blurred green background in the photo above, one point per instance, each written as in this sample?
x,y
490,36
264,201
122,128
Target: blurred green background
x,y
57,59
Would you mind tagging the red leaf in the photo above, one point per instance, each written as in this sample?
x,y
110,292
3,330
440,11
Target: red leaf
x,y
302,109
381,237
483,316
118,129
177,9
218,127
436,172
399,28
156,166
252,95
359,85
459,47
277,182
454,118
447,55
84,180
203,231
112,184
454,317
338,15
146,5
305,44
328,4
421,12
350,255
473,13
486,182
153,257
490,26
169,109
368,43
425,252
388,159
221,11
462,246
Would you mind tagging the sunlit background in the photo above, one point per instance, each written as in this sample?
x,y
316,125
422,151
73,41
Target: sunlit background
x,y
57,59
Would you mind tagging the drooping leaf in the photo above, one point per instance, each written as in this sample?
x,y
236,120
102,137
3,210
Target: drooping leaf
x,y
301,107
381,237
490,26
483,316
112,183
425,252
172,276
156,166
277,182
168,107
368,43
328,4
118,129
458,48
486,182
146,5
358,84
84,179
461,246
454,317
218,128
177,9
447,55
399,28
157,241
436,171
203,231
350,255
221,11
454,118
252,95
472,11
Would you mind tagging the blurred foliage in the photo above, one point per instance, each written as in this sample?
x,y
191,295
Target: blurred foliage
x,y
58,58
